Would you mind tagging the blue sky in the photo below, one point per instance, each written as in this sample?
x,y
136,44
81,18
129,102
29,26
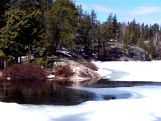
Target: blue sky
x,y
147,11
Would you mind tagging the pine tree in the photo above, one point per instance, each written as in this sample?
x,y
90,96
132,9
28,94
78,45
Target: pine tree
x,y
83,32
3,8
63,22
132,34
21,33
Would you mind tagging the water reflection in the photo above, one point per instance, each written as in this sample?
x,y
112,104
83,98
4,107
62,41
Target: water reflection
x,y
105,83
47,93
50,93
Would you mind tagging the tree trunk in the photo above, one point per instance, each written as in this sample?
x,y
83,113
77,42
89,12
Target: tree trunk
x,y
5,63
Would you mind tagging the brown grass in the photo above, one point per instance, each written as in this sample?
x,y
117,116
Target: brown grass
x,y
63,70
87,63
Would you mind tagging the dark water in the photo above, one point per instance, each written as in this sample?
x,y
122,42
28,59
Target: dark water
x,y
48,93
45,93
104,83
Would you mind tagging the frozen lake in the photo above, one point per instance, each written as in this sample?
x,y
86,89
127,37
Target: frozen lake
x,y
129,101
130,71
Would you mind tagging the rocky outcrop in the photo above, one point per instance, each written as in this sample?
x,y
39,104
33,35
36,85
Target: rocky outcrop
x,y
81,72
138,54
132,53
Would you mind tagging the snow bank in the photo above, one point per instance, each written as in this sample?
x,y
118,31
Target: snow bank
x,y
130,71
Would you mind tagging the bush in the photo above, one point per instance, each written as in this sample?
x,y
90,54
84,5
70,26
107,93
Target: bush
x,y
63,70
25,72
88,64
44,62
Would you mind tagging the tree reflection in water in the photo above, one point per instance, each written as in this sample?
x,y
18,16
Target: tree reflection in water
x,y
46,93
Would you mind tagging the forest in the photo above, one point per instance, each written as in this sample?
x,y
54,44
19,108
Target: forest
x,y
39,28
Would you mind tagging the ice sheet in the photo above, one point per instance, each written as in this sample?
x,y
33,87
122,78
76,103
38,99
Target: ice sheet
x,y
130,71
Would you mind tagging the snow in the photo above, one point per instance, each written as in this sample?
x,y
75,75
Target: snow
x,y
142,105
50,76
130,70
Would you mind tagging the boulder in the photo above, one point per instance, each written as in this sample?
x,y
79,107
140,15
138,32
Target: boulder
x,y
124,58
138,54
119,53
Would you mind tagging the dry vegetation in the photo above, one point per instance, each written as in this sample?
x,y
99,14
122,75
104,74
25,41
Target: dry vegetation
x,y
25,72
87,64
63,70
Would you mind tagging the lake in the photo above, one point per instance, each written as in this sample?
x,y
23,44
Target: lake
x,y
50,93
113,100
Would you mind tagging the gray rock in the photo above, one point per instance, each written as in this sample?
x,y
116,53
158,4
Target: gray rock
x,y
124,58
133,53
138,54
117,52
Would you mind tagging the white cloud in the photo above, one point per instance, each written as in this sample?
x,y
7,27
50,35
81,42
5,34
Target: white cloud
x,y
102,8
142,10
147,14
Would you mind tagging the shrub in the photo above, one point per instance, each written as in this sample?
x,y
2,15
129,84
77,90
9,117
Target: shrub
x,y
25,72
63,70
88,64
43,62
85,75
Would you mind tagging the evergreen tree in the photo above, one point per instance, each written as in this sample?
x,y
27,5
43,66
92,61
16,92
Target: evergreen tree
x,y
21,33
94,33
146,32
45,5
154,29
3,8
112,28
63,22
116,28
25,5
132,34
83,32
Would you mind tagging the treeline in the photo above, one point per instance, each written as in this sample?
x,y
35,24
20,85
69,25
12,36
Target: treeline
x,y
28,27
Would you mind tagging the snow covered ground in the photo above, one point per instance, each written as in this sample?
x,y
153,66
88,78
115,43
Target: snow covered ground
x,y
130,71
142,105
